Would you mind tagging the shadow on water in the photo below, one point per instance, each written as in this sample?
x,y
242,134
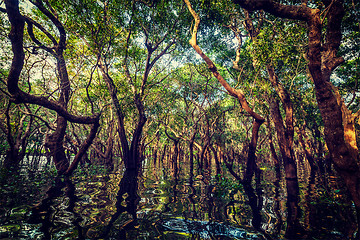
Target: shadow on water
x,y
216,226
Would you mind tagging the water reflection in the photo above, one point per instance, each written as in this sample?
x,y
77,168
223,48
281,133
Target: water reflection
x,y
208,230
88,211
328,206
126,202
56,212
155,205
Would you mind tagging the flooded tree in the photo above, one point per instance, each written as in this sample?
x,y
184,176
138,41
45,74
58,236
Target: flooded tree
x,y
339,121
53,141
117,128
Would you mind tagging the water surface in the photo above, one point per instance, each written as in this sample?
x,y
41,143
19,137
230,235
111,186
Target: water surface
x,y
158,204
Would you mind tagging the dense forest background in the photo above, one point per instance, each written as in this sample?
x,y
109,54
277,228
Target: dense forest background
x,y
239,86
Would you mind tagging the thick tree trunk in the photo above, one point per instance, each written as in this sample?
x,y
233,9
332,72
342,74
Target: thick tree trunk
x,y
322,60
55,143
135,152
251,158
339,128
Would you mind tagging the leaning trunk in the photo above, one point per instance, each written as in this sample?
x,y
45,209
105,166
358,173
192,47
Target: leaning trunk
x,y
292,185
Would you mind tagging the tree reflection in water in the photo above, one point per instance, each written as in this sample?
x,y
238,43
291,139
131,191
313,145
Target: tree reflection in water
x,y
126,201
182,206
56,211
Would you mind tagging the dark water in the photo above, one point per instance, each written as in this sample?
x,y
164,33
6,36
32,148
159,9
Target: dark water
x,y
159,204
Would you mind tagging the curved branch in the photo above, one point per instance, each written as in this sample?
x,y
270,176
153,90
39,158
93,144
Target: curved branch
x,y
32,22
237,93
83,148
300,12
16,36
36,116
55,20
22,97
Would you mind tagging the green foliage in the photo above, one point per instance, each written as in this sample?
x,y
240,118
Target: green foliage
x,y
22,187
182,94
227,186
90,170
280,43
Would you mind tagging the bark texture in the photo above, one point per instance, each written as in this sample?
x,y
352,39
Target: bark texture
x,y
322,60
55,140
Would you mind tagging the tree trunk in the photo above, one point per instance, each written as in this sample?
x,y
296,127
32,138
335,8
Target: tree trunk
x,y
285,134
251,158
175,155
304,142
55,143
17,142
276,163
237,93
292,185
16,36
217,161
322,60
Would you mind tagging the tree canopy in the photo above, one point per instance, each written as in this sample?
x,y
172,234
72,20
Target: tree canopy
x,y
243,82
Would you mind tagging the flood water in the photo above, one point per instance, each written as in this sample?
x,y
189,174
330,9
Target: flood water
x,y
160,204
